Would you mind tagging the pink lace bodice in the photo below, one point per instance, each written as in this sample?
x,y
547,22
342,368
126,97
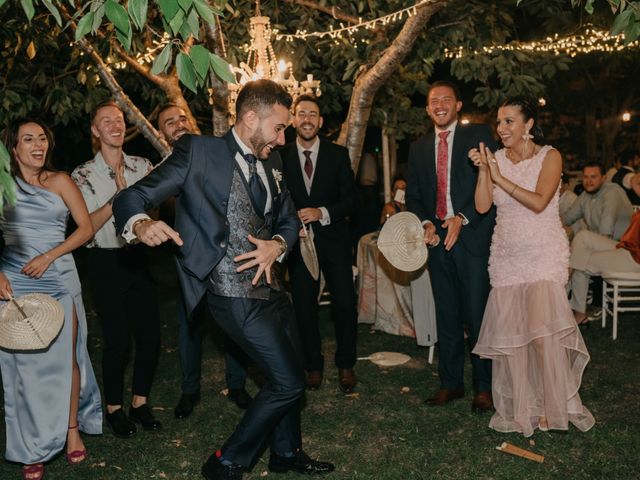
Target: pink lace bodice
x,y
526,246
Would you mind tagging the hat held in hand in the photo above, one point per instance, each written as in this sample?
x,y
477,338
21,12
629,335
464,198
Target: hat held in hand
x,y
401,241
30,322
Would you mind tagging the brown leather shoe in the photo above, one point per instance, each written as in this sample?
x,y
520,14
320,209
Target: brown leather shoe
x,y
347,378
482,402
314,380
444,396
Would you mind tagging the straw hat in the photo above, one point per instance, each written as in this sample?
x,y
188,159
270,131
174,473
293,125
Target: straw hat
x,y
30,322
401,241
308,252
387,359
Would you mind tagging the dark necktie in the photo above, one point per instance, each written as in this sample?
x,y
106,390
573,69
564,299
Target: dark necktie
x,y
308,165
442,168
256,187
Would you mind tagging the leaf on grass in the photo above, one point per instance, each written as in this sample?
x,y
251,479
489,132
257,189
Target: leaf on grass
x,y
31,50
405,390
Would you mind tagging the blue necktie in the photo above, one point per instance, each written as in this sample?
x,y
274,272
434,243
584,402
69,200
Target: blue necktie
x,y
256,187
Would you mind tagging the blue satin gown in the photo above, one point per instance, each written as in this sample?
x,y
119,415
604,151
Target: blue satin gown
x,y
37,386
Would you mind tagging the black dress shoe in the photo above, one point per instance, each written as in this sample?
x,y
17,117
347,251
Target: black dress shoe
x,y
240,397
314,380
347,379
214,470
299,463
120,424
186,404
144,417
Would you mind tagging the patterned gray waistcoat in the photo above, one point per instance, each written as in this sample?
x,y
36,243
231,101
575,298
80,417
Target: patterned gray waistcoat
x,y
243,220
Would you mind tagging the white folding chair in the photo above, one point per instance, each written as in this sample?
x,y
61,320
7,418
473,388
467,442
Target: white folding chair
x,y
620,293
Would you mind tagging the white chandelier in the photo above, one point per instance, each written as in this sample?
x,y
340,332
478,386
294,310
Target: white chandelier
x,y
261,63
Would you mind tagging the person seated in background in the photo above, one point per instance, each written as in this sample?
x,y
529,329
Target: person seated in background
x,y
612,171
603,206
397,203
567,197
593,254
629,160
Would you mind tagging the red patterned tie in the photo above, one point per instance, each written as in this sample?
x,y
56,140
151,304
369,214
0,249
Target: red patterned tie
x,y
442,169
308,166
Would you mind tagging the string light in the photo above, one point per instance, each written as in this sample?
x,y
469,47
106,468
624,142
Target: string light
x,y
592,40
369,25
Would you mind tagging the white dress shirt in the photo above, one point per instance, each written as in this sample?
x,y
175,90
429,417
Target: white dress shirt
x,y
326,218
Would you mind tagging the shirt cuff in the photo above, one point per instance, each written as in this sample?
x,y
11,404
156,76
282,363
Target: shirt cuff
x,y
127,231
326,218
465,220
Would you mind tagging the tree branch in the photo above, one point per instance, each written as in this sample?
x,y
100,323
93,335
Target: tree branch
x,y
333,11
370,80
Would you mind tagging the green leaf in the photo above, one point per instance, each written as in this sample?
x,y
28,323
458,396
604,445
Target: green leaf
x,y
54,11
191,26
176,22
632,32
169,9
185,5
2,2
621,22
84,26
200,58
589,7
162,61
97,19
124,38
7,185
204,11
27,6
221,68
138,12
186,72
118,16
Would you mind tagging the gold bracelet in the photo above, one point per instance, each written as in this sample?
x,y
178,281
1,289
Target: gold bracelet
x,y
137,222
513,190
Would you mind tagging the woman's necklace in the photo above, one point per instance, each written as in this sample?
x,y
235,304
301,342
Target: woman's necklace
x,y
525,155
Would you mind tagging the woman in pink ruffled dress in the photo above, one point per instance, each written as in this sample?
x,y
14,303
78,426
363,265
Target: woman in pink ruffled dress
x,y
528,329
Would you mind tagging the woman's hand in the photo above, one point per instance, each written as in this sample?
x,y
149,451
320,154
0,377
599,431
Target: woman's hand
x,y
6,292
36,267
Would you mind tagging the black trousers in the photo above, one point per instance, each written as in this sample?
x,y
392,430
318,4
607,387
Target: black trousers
x,y
266,331
124,296
336,268
460,283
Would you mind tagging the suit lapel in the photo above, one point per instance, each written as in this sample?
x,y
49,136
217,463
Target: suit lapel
x,y
430,167
297,180
458,157
319,171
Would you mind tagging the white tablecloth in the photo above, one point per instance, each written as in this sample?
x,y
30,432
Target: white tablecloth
x,y
396,302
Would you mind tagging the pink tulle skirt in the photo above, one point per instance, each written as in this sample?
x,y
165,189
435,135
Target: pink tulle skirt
x,y
538,358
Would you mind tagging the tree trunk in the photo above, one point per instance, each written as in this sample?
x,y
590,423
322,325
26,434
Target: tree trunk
x,y
368,82
219,90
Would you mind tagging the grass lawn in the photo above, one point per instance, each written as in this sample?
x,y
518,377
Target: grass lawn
x,y
382,432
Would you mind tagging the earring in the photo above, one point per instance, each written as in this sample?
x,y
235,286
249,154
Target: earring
x,y
527,136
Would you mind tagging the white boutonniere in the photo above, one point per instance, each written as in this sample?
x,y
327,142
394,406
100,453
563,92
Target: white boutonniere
x,y
277,176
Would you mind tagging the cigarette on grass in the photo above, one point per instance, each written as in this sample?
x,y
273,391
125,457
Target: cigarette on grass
x,y
520,452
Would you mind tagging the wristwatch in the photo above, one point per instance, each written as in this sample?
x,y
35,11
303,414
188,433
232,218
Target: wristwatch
x,y
463,218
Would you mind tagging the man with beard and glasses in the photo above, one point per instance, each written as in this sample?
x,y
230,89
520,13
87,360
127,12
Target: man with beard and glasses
x,y
323,189
605,210
234,219
173,124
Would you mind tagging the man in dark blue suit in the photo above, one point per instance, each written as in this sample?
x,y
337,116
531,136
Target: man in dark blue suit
x,y
440,192
234,219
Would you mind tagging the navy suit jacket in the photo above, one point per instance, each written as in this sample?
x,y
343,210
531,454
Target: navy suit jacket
x,y
199,173
422,180
333,187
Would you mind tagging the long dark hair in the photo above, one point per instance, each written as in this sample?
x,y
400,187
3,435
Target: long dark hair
x,y
529,108
10,139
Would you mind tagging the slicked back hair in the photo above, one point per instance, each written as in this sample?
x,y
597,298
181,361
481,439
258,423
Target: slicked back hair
x,y
260,95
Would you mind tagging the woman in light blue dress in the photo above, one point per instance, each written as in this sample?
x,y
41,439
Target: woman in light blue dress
x,y
50,395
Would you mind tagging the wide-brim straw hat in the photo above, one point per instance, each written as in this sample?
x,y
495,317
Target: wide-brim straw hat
x,y
309,255
387,359
30,322
401,241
